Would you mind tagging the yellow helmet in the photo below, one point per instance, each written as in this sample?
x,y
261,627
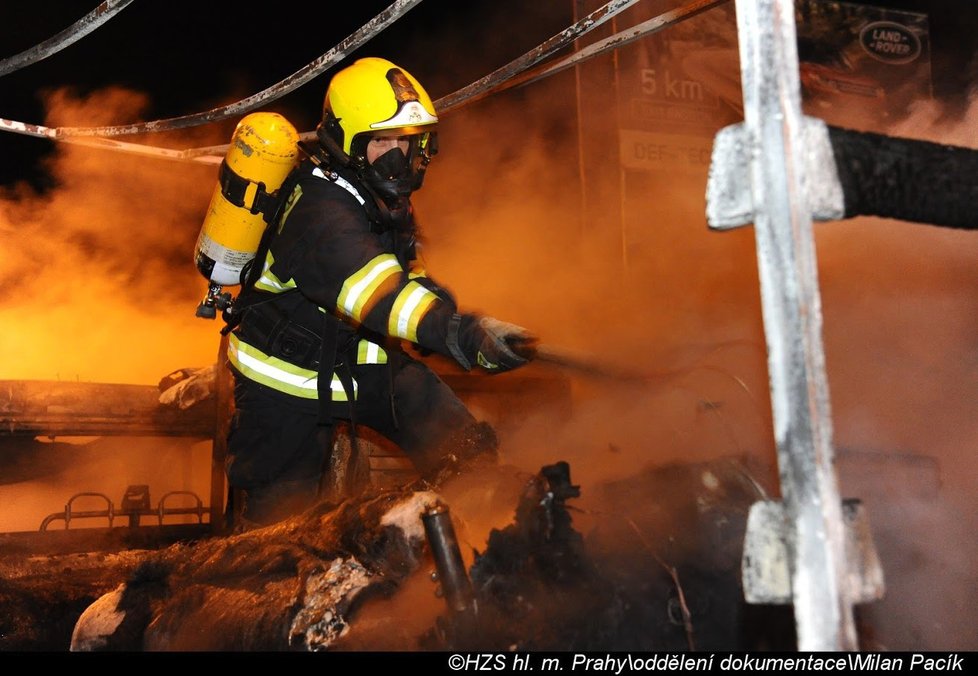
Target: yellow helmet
x,y
376,97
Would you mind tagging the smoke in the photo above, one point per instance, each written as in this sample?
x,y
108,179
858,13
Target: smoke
x,y
898,310
899,324
99,285
501,209
899,307
61,470
97,275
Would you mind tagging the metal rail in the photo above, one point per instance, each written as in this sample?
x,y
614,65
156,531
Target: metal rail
x,y
135,505
68,36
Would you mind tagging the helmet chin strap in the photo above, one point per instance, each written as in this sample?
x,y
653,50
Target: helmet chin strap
x,y
392,211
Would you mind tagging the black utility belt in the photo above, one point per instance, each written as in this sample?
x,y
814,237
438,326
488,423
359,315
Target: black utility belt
x,y
267,328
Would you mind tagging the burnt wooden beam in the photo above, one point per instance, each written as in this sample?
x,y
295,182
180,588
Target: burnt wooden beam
x,y
906,179
33,408
854,173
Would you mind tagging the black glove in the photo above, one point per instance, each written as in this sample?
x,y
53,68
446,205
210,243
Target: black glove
x,y
492,344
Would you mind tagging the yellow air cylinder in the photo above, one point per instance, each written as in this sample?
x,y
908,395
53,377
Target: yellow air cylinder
x,y
263,150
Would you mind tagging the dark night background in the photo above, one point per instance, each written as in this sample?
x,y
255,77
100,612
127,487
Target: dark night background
x,y
189,56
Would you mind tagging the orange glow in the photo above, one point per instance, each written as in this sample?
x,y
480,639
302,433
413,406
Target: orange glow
x,y
98,275
99,285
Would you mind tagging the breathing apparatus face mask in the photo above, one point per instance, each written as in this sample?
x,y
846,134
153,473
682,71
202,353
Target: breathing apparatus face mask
x,y
396,173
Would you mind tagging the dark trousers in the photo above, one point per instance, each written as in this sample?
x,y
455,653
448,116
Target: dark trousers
x,y
278,450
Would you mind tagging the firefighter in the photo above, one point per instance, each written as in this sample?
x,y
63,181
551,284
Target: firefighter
x,y
334,297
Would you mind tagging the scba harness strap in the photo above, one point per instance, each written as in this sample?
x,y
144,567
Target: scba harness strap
x,y
234,188
251,271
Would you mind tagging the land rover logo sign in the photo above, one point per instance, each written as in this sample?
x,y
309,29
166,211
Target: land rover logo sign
x,y
889,42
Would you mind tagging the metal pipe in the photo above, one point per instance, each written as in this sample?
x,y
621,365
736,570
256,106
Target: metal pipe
x,y
455,584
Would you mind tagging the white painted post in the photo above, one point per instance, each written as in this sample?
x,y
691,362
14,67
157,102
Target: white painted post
x,y
791,305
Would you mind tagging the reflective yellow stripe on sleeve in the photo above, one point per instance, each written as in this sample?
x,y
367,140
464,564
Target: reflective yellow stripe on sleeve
x,y
361,285
409,307
269,282
279,374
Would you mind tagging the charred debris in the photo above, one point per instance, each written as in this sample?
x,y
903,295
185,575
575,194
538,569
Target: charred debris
x,y
657,573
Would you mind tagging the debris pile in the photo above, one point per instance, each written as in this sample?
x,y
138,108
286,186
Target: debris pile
x,y
658,571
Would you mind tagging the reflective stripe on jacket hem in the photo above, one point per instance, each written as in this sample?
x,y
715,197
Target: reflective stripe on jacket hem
x,y
279,374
